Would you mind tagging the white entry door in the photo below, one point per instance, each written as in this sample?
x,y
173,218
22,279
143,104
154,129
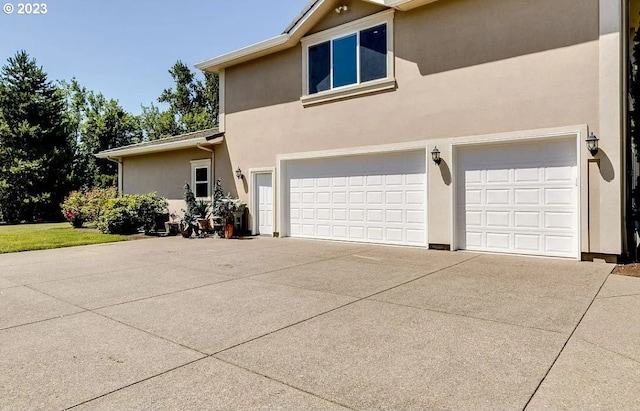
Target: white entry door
x,y
264,190
377,198
518,198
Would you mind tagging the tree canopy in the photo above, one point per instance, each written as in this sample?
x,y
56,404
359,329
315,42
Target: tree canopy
x,y
50,132
193,105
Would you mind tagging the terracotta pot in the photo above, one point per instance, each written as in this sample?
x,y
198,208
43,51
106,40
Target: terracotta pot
x,y
228,231
187,233
205,224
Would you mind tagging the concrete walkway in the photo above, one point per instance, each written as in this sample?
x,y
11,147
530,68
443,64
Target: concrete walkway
x,y
292,324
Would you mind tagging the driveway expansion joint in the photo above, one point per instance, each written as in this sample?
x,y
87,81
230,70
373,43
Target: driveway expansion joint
x,y
93,311
43,320
469,316
135,383
357,300
606,349
565,343
619,296
281,382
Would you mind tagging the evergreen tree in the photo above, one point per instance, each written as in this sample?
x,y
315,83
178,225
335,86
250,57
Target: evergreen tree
x,y
36,146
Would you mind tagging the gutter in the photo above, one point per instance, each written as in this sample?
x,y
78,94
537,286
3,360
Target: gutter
x,y
149,149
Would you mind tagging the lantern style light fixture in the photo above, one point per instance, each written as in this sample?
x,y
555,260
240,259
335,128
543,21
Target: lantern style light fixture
x,y
435,155
592,144
239,173
341,9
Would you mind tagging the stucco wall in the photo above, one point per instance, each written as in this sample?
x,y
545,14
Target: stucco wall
x,y
463,68
356,10
164,173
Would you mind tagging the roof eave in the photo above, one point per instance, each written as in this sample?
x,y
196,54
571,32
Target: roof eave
x,y
401,4
291,37
263,48
158,148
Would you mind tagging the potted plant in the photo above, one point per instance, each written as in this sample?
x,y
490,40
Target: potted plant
x,y
172,227
188,225
201,209
226,209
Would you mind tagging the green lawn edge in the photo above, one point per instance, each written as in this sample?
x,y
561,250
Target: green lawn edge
x,y
31,237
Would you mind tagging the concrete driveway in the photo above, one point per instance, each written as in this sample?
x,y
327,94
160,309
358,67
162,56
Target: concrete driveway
x,y
292,324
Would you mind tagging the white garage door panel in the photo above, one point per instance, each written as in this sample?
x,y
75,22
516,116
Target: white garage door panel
x,y
518,198
368,198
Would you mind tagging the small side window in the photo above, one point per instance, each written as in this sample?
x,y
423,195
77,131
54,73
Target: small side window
x,y
373,53
201,178
319,68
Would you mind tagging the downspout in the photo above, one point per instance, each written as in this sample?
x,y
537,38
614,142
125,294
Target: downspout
x,y
119,161
204,148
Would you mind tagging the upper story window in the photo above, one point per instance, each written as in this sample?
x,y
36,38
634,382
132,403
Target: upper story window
x,y
349,57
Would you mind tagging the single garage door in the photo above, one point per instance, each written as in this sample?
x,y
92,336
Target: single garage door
x,y
518,198
367,198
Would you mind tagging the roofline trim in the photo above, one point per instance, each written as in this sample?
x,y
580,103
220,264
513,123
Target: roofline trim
x,y
158,148
227,59
291,36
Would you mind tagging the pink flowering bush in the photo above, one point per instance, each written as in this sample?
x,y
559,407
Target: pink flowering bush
x,y
74,209
82,207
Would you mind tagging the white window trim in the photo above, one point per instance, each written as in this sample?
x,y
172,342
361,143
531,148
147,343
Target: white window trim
x,y
206,163
354,27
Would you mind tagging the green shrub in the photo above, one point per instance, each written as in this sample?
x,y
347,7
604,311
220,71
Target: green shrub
x,y
148,207
119,217
129,214
97,200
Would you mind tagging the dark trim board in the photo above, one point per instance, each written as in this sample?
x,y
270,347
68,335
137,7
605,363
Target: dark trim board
x,y
443,247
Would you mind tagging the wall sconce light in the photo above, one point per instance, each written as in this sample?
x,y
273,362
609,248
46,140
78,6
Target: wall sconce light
x,y
592,144
435,155
239,173
342,8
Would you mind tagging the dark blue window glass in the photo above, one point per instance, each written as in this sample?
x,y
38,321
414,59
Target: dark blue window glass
x,y
373,53
345,69
319,67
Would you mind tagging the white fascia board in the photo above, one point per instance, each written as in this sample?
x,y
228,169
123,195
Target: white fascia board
x,y
401,4
244,54
263,48
157,148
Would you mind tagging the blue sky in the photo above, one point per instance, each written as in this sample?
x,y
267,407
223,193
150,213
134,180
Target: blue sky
x,y
123,48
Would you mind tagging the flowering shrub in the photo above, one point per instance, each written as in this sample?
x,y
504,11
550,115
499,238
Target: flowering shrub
x,y
97,200
80,207
74,208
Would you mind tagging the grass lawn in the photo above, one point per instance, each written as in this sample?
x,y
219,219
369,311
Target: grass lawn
x,y
25,237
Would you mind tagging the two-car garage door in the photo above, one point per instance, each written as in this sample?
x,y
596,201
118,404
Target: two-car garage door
x,y
518,198
367,198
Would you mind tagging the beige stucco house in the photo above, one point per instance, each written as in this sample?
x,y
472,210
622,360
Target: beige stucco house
x,y
334,126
